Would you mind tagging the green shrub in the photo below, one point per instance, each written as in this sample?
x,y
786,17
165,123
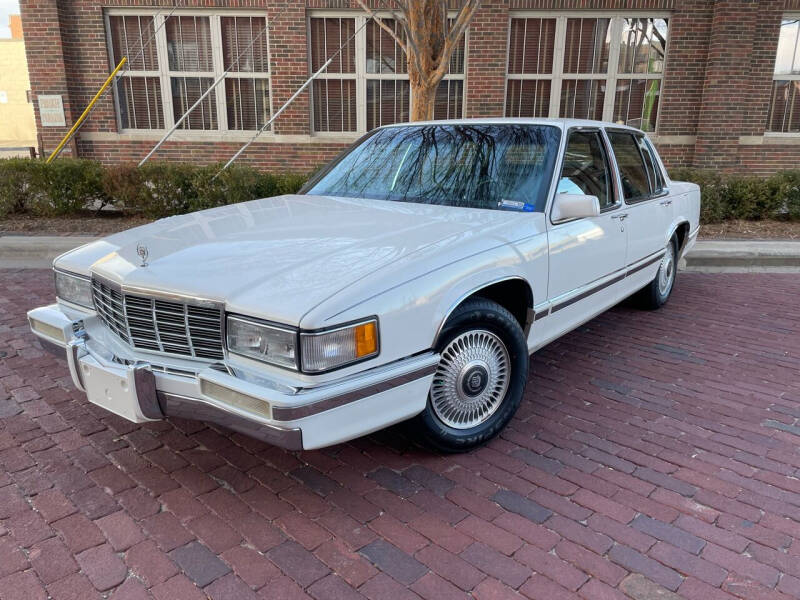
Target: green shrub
x,y
166,189
714,192
790,192
17,176
67,186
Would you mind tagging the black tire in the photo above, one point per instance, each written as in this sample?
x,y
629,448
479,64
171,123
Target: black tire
x,y
476,317
655,295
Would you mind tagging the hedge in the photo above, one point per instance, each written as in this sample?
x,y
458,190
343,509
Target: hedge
x,y
727,196
69,186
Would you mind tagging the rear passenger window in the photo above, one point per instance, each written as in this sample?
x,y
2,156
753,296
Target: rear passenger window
x,y
585,169
635,182
653,168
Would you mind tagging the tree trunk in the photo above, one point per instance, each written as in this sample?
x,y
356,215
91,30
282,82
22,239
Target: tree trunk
x,y
423,100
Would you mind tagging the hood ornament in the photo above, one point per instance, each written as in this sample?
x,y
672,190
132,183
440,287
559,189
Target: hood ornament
x,y
143,253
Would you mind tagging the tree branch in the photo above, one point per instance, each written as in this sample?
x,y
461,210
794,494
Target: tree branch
x,y
383,25
454,37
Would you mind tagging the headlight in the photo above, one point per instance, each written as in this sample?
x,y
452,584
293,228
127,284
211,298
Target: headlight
x,y
325,350
74,288
262,342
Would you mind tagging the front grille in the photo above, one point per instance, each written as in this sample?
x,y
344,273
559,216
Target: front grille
x,y
160,325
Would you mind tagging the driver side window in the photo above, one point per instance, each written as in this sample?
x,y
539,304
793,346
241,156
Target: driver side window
x,y
585,169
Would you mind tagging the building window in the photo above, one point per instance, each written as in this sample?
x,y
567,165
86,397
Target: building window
x,y
606,68
784,110
182,58
367,85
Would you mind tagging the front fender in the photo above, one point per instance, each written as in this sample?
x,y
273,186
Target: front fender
x,y
413,312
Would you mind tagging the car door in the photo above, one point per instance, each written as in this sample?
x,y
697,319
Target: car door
x,y
647,203
586,256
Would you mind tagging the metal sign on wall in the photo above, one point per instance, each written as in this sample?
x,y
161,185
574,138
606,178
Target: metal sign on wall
x,y
51,111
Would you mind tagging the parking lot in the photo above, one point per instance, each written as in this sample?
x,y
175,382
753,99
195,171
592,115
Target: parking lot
x,y
654,453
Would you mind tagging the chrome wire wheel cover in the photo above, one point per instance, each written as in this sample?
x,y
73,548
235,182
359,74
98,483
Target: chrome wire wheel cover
x,y
666,272
471,380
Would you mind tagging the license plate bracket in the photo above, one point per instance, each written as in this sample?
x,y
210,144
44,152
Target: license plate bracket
x,y
117,389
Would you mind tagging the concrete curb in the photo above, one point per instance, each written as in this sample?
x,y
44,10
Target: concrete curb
x,y
38,251
744,256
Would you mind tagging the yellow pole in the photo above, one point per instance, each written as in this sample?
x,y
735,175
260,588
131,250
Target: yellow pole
x,y
86,112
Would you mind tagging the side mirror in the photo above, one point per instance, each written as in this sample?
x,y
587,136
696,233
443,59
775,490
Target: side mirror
x,y
574,206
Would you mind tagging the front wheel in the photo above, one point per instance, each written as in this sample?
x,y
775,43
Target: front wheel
x,y
481,376
657,292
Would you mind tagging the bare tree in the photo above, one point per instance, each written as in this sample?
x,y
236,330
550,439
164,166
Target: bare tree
x,y
428,39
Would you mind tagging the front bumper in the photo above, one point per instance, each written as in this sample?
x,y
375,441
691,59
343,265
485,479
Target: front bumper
x,y
293,418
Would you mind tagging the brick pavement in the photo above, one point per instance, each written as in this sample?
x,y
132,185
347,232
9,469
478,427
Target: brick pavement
x,y
655,454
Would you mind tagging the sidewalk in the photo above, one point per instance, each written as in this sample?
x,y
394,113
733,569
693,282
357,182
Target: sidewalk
x,y
708,256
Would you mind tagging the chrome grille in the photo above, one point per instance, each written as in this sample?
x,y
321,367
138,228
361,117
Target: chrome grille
x,y
160,325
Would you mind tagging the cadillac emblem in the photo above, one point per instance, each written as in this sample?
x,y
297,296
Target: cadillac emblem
x,y
143,253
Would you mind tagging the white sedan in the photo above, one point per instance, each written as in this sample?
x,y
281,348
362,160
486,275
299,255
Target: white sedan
x,y
410,279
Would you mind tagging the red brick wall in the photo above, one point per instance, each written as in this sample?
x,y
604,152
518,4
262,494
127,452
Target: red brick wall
x,y
716,87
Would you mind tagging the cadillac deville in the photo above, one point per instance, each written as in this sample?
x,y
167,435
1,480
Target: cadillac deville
x,y
409,279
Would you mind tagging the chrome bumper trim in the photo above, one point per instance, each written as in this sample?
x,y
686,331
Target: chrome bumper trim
x,y
285,413
173,405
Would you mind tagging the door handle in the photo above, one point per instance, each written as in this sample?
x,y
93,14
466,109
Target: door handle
x,y
665,202
621,217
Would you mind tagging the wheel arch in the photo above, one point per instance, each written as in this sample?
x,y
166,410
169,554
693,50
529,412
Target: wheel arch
x,y
680,230
513,293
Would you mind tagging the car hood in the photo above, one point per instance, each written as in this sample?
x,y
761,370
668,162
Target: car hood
x,y
278,258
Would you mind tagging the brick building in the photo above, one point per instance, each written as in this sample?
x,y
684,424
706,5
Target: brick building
x,y
716,82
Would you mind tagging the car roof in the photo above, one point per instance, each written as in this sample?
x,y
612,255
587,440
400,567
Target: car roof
x,y
560,123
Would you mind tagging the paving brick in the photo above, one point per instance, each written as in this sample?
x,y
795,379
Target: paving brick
x,y
435,482
552,566
199,563
398,533
120,530
589,562
688,564
449,566
167,531
332,587
229,587
51,560
74,587
102,566
78,532
354,568
383,587
490,534
635,561
495,564
742,565
52,505
177,587
314,480
638,587
441,533
12,559
581,534
393,561
539,587
214,532
669,533
432,587
22,586
149,563
298,563
250,566
521,505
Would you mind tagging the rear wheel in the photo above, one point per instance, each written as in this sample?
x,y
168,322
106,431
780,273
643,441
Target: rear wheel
x,y
657,292
481,376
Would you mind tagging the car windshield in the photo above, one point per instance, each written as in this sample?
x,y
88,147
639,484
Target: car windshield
x,y
506,167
